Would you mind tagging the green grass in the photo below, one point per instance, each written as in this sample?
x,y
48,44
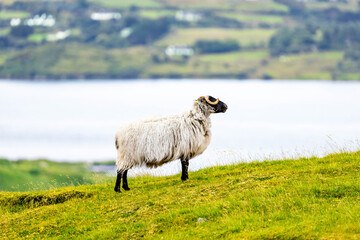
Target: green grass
x,y
3,57
233,56
350,76
244,37
153,14
7,2
75,31
80,59
38,175
320,55
231,65
31,60
309,198
74,60
316,76
37,37
248,6
4,31
302,66
270,19
128,3
252,64
13,14
350,5
71,60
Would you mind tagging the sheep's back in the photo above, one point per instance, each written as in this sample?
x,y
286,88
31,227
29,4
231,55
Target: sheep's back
x,y
147,141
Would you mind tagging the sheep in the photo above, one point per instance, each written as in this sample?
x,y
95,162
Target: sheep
x,y
156,141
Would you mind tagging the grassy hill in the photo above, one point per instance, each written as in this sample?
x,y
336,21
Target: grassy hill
x,y
309,198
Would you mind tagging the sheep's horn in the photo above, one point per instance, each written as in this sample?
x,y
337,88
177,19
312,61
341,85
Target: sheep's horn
x,y
210,102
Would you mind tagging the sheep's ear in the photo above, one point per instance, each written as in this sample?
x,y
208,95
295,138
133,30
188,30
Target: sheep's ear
x,y
201,99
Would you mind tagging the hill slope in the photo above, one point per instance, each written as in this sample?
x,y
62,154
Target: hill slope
x,y
291,199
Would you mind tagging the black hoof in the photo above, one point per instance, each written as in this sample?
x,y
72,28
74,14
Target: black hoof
x,y
117,190
184,179
126,188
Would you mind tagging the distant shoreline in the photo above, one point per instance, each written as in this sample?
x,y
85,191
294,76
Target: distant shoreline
x,y
82,79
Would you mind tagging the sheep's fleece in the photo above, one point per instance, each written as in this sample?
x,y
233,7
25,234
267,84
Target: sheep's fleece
x,y
156,141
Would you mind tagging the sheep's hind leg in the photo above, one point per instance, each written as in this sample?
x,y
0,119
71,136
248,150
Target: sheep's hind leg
x,y
125,183
184,166
118,180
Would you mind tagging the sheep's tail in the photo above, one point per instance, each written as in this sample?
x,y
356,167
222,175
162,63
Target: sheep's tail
x,y
116,143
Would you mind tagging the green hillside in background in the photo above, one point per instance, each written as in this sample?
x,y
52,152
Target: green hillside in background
x,y
280,39
36,175
309,198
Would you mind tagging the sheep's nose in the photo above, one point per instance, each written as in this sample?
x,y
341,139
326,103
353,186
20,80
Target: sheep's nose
x,y
225,107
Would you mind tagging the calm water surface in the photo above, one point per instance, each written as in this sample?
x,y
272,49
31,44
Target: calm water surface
x,y
76,121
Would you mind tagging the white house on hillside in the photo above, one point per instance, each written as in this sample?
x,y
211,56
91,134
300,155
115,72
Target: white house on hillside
x,y
15,22
105,16
60,35
173,50
188,16
41,20
124,33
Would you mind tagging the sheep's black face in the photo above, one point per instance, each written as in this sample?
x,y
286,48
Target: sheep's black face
x,y
220,107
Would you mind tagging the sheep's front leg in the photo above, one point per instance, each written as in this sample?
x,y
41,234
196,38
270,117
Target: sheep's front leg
x,y
125,183
118,181
184,166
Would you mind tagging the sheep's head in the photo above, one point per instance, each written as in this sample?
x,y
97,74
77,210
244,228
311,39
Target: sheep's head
x,y
211,105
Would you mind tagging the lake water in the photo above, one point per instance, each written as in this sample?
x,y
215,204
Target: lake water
x,y
76,121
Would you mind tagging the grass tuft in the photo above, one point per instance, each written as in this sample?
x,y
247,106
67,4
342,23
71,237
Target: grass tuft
x,y
37,199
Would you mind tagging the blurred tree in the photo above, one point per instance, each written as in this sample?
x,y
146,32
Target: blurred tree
x,y
341,36
288,41
215,46
148,31
352,54
131,21
4,42
295,7
21,31
82,4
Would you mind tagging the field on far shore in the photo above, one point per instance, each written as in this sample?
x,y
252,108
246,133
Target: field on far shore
x,y
37,175
261,47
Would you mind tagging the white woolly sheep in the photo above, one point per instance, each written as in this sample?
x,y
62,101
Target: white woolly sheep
x,y
154,142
